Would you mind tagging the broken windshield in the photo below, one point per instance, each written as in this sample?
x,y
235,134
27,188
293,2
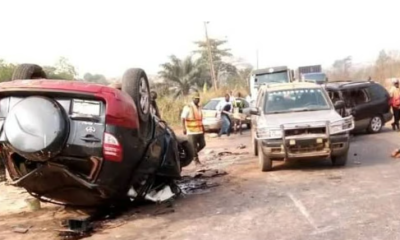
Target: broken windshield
x,y
295,101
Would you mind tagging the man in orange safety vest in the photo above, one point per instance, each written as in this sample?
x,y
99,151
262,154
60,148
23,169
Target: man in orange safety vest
x,y
192,122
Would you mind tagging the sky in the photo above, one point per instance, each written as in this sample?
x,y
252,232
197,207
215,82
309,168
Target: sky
x,y
109,37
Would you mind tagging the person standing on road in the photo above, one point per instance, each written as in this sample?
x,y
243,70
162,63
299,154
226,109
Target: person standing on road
x,y
395,103
239,105
225,108
192,122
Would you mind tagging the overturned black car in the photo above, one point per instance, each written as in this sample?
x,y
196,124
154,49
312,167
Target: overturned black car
x,y
84,144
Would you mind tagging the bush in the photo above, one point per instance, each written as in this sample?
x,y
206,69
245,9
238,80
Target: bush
x,y
171,108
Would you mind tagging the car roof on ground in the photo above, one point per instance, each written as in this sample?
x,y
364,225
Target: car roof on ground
x,y
289,86
348,84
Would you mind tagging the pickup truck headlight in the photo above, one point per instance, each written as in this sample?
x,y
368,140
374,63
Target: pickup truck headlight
x,y
265,133
344,125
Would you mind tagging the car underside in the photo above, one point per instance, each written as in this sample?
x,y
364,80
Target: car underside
x,y
83,144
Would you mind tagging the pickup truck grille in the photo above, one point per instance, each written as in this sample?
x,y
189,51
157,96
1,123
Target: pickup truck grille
x,y
303,131
313,147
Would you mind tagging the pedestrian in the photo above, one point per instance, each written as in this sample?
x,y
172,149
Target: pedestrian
x,y
225,108
192,122
395,103
238,106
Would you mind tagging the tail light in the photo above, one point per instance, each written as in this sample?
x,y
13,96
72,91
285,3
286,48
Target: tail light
x,y
112,150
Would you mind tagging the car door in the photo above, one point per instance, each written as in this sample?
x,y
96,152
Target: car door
x,y
364,107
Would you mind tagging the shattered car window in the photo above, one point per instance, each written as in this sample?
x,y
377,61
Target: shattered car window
x,y
295,100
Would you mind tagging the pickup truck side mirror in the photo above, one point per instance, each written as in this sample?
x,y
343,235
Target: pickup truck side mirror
x,y
255,111
339,104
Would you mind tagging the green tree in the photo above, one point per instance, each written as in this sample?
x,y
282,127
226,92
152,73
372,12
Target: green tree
x,y
95,78
6,71
222,69
183,73
62,69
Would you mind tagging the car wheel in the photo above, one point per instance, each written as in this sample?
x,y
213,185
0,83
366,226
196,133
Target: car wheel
x,y
254,145
339,160
186,151
136,84
28,71
264,161
375,125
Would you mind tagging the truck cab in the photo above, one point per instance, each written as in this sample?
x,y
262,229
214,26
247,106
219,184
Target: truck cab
x,y
270,75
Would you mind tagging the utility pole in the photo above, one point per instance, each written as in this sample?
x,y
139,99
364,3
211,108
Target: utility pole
x,y
210,59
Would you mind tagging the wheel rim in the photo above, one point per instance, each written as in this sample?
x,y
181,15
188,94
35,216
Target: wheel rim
x,y
144,96
376,124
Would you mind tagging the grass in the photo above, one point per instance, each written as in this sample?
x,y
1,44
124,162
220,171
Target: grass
x,y
171,108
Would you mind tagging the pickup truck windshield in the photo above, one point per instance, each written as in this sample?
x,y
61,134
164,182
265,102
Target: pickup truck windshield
x,y
276,77
296,100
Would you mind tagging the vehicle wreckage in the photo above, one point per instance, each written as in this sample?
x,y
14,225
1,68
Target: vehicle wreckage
x,y
83,144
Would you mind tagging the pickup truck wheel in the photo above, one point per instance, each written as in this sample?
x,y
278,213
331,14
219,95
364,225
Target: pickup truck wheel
x,y
254,145
186,151
136,84
375,125
264,161
340,160
28,71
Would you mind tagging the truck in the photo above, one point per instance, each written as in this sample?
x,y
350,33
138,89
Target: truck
x,y
312,73
269,75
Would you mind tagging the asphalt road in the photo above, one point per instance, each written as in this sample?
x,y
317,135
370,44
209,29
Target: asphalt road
x,y
301,200
298,200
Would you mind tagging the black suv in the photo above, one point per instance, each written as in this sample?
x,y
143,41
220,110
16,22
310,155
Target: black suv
x,y
367,101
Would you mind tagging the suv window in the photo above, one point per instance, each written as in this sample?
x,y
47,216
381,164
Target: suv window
x,y
356,97
306,99
378,92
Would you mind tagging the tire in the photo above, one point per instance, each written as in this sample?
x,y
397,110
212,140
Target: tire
x,y
37,133
28,71
186,151
254,145
340,160
375,125
264,161
248,125
135,84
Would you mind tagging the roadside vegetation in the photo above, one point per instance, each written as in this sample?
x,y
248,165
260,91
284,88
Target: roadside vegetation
x,y
179,77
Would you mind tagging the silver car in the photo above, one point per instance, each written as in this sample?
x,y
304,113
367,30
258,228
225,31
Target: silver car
x,y
211,117
298,121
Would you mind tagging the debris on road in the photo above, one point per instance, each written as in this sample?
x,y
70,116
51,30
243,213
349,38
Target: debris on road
x,y
208,173
21,229
197,182
228,153
76,229
241,146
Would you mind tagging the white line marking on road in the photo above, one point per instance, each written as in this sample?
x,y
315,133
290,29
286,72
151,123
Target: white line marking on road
x,y
302,210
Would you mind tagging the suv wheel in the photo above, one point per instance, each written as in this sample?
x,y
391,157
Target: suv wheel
x,y
375,125
136,84
339,160
264,161
186,151
254,144
28,71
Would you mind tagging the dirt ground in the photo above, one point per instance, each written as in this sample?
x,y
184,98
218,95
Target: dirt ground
x,y
298,200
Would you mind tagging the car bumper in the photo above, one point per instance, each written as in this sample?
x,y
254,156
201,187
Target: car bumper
x,y
212,124
387,117
337,145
